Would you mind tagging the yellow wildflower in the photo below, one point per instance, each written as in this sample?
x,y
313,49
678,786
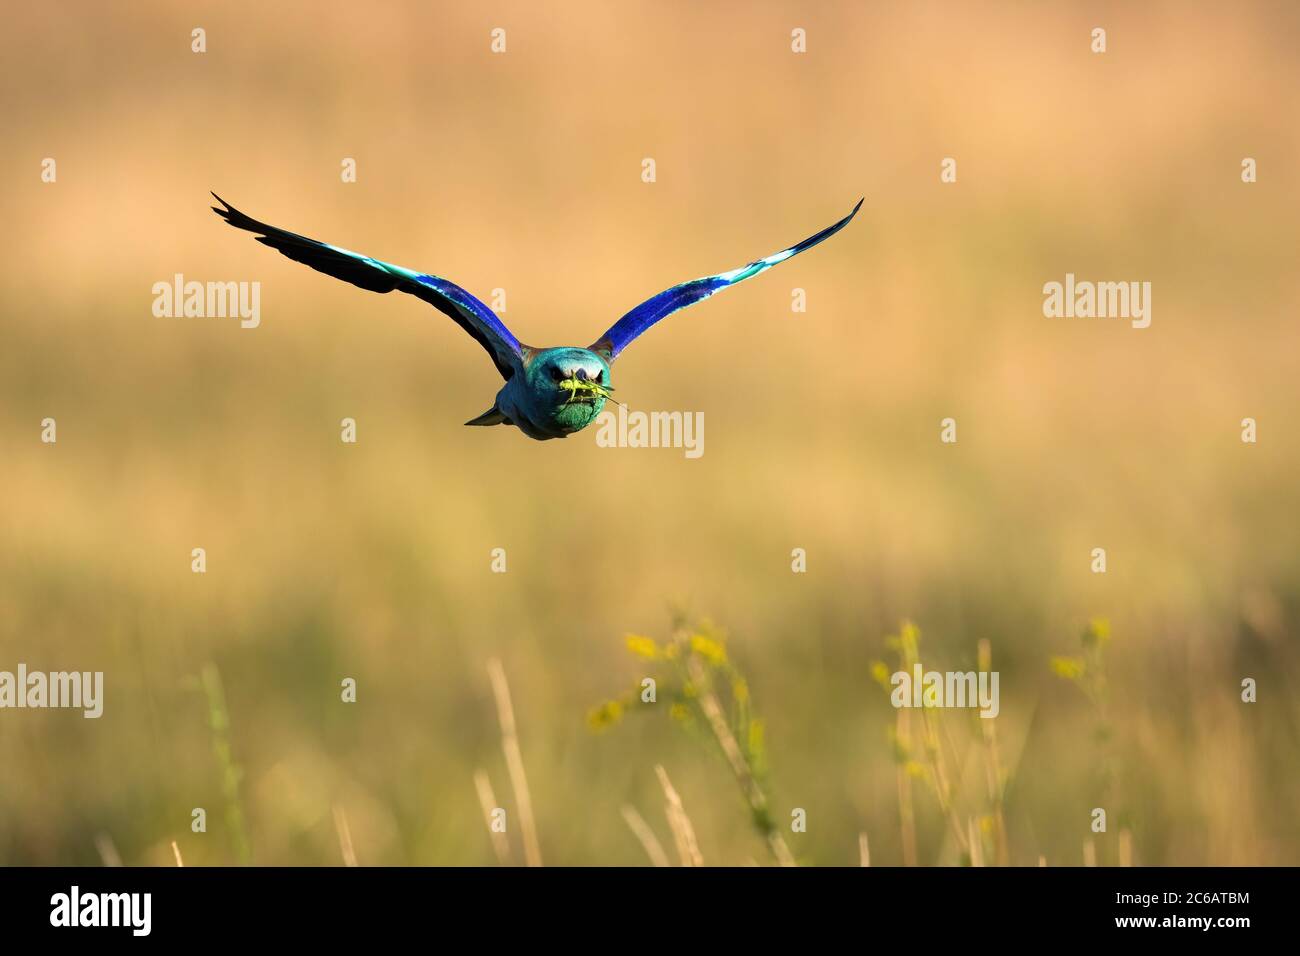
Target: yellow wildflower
x,y
642,646
1069,668
880,674
740,690
605,716
709,649
1098,631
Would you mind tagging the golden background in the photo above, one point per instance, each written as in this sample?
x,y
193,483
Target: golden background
x,y
522,171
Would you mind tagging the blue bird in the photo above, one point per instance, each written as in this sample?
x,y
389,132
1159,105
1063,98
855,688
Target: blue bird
x,y
548,393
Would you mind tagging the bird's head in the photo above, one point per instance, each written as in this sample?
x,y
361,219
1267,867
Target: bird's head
x,y
570,384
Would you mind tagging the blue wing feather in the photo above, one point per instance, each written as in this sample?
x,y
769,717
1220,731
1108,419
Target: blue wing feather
x,y
375,275
625,330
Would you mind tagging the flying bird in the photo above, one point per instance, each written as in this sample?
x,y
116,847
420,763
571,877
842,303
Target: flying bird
x,y
548,392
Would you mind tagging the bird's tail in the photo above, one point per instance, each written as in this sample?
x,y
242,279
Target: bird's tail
x,y
493,416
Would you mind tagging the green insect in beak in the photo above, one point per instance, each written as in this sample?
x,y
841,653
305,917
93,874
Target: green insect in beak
x,y
583,386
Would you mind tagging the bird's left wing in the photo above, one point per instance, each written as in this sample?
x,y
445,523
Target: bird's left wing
x,y
622,332
466,311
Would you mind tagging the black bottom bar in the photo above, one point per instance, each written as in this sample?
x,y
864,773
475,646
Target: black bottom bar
x,y
568,905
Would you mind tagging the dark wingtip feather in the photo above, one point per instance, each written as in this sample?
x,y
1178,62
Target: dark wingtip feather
x,y
223,213
242,220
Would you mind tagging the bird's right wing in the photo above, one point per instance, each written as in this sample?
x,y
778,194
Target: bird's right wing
x,y
620,335
466,311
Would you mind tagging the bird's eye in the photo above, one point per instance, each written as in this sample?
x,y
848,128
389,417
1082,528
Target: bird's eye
x,y
557,374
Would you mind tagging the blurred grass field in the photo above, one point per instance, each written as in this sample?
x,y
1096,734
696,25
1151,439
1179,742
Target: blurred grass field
x,y
522,171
